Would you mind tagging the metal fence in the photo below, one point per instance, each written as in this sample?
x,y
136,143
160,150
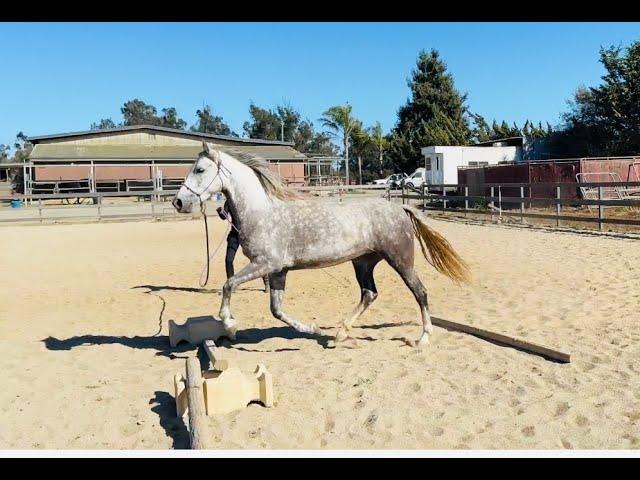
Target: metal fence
x,y
436,197
154,204
78,205
83,206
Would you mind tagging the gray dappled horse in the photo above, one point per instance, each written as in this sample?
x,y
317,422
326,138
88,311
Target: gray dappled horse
x,y
280,232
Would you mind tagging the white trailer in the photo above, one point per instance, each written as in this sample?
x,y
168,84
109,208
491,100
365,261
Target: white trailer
x,y
441,163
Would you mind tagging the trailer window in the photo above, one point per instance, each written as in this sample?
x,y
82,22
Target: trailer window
x,y
478,164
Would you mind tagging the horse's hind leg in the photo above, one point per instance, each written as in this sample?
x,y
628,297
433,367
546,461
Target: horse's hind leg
x,y
277,284
411,280
364,267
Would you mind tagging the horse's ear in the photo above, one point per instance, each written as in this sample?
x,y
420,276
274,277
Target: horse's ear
x,y
205,147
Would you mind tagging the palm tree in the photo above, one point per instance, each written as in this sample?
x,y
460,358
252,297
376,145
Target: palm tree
x,y
360,144
338,119
379,140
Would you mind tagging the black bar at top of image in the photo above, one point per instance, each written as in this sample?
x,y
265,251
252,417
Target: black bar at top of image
x,y
289,11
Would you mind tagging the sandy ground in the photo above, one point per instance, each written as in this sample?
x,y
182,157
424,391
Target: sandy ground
x,y
80,304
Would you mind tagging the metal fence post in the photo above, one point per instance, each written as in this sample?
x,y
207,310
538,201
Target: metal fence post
x,y
466,199
600,207
491,205
99,208
424,197
444,202
40,209
521,204
557,206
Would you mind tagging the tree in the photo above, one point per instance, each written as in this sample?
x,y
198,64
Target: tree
x,y
103,124
285,119
360,145
23,148
341,123
605,120
435,114
380,143
137,112
264,124
210,123
482,132
320,144
283,123
170,119
4,152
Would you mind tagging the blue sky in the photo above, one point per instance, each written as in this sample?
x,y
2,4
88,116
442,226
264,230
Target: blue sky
x,y
58,77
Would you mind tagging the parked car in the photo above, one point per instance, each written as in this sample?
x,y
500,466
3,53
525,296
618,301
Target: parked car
x,y
417,178
393,180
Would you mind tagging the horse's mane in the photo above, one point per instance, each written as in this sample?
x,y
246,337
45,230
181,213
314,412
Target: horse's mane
x,y
271,182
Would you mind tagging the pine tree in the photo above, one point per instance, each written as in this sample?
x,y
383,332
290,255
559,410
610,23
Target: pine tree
x,y
435,114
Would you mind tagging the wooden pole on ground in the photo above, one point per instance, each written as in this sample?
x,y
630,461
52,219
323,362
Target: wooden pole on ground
x,y
198,428
504,339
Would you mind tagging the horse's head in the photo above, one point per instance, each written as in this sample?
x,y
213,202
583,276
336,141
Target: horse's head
x,y
204,179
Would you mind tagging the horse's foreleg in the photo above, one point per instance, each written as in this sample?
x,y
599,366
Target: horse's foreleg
x,y
250,272
277,285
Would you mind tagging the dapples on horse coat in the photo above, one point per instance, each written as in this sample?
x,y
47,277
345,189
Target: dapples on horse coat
x,y
280,232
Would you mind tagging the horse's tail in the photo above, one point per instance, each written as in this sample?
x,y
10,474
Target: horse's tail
x,y
443,257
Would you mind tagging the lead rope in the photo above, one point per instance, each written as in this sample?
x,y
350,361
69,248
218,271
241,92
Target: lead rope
x,y
230,225
203,211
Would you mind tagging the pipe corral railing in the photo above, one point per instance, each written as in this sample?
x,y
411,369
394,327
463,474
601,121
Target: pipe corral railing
x,y
442,197
82,205
435,197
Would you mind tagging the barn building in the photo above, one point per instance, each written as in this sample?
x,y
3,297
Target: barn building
x,y
135,158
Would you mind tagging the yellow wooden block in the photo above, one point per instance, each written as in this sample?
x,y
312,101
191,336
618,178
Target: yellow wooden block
x,y
228,390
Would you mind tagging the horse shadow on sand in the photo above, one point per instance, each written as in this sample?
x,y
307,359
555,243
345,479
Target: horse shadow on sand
x,y
160,343
170,288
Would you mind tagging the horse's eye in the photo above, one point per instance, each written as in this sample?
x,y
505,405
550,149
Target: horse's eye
x,y
199,170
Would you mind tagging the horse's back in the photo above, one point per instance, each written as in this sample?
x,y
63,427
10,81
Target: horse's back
x,y
323,232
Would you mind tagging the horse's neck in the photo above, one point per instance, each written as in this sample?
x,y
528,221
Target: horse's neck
x,y
247,198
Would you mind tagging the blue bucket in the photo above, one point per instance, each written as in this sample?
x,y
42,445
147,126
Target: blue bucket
x,y
16,203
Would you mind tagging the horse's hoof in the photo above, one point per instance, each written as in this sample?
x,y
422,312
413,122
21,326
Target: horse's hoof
x,y
341,335
230,333
315,330
422,342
